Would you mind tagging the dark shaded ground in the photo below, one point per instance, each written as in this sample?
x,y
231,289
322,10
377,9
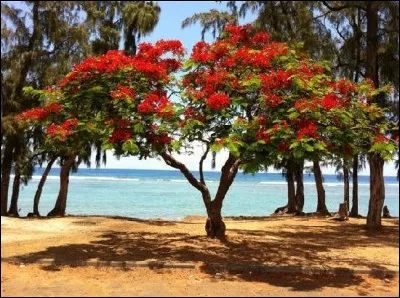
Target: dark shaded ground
x,y
274,241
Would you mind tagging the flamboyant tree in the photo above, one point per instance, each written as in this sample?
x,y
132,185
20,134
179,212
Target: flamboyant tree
x,y
256,98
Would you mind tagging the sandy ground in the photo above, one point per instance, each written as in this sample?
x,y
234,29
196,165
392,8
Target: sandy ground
x,y
306,241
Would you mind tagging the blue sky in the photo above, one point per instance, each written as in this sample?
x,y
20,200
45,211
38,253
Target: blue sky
x,y
169,27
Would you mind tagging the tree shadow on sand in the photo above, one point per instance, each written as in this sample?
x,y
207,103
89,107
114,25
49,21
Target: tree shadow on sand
x,y
303,247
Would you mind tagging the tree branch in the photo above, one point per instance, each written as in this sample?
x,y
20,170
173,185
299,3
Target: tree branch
x,y
172,162
202,181
228,173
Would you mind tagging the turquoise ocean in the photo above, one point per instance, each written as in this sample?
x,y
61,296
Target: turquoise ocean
x,y
167,194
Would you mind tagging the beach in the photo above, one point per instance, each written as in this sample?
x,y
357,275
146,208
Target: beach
x,y
308,241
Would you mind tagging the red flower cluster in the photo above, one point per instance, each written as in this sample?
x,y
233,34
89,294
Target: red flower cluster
x,y
283,147
273,100
381,139
307,128
306,71
262,134
305,104
120,135
157,139
156,102
331,101
275,80
148,61
190,113
218,101
40,113
120,123
260,39
344,87
123,92
202,53
70,124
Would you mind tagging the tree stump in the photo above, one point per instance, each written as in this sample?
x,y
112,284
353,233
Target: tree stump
x,y
386,213
343,213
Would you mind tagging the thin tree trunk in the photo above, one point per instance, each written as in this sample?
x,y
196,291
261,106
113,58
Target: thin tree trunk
x,y
299,187
321,206
354,207
215,226
291,206
41,184
13,211
61,203
5,176
346,187
377,192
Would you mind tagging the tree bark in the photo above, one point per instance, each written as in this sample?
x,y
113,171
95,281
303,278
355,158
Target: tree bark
x,y
321,206
377,192
346,186
215,226
61,203
291,206
354,207
299,187
13,211
5,176
41,184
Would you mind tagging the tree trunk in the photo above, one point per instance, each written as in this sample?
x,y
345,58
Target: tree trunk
x,y
321,207
346,186
13,211
291,206
299,187
354,207
41,184
215,226
61,203
5,176
377,192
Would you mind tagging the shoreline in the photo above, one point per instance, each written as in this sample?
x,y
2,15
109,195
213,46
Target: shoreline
x,y
197,217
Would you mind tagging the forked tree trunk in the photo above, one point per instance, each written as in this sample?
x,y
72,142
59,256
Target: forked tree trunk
x,y
41,184
377,192
299,187
346,183
354,207
321,206
215,226
61,203
5,176
13,211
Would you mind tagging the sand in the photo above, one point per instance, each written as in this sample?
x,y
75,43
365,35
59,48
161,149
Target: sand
x,y
275,241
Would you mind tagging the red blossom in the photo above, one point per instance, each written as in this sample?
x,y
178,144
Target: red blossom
x,y
273,100
40,113
381,139
283,147
275,80
263,135
202,53
123,92
218,101
120,135
307,128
